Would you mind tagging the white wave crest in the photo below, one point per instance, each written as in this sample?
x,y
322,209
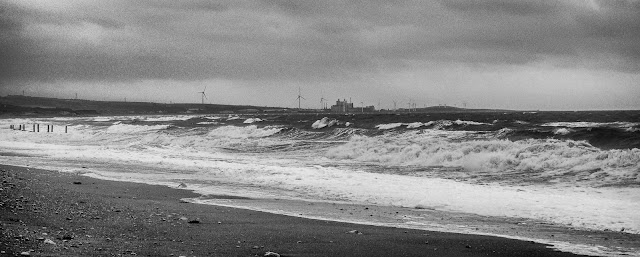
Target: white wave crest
x,y
439,124
252,120
585,124
244,132
166,118
324,122
415,125
464,122
389,126
232,117
541,160
130,129
562,131
103,119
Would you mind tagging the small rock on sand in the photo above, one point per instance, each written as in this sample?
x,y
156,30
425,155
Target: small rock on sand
x,y
271,254
49,241
354,232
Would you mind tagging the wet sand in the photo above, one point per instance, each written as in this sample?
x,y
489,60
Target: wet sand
x,y
48,213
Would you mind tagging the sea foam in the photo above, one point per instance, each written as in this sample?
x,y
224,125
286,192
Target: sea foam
x,y
251,131
560,181
544,161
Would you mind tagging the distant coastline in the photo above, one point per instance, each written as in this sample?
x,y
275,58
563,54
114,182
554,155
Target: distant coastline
x,y
18,105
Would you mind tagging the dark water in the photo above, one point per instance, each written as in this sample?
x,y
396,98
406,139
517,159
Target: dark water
x,y
602,129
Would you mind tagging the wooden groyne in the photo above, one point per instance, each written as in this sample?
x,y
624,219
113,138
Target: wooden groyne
x,y
35,127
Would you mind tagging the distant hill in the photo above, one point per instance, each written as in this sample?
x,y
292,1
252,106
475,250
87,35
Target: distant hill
x,y
444,109
15,105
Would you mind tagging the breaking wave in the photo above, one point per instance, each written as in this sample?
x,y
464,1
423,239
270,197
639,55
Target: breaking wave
x,y
538,161
251,131
438,124
119,128
583,124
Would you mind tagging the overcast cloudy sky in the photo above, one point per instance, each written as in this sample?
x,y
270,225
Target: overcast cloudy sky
x,y
516,54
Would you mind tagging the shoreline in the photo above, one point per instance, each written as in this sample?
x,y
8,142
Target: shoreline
x,y
85,216
561,237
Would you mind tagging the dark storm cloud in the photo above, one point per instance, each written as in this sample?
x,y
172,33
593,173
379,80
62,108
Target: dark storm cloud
x,y
302,8
191,5
504,6
13,47
305,40
618,24
582,31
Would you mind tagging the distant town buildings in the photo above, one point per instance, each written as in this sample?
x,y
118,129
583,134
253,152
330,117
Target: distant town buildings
x,y
344,106
341,106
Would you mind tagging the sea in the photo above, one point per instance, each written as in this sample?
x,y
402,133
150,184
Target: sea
x,y
567,179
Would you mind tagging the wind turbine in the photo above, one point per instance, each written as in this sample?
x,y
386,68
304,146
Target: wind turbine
x,y
203,95
300,97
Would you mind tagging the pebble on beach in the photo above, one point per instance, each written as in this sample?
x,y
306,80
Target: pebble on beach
x,y
271,254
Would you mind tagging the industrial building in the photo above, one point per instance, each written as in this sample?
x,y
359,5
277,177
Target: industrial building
x,y
344,106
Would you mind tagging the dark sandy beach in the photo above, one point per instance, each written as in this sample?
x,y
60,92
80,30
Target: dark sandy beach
x,y
47,213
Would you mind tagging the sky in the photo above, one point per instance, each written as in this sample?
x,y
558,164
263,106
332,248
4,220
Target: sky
x,y
507,54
